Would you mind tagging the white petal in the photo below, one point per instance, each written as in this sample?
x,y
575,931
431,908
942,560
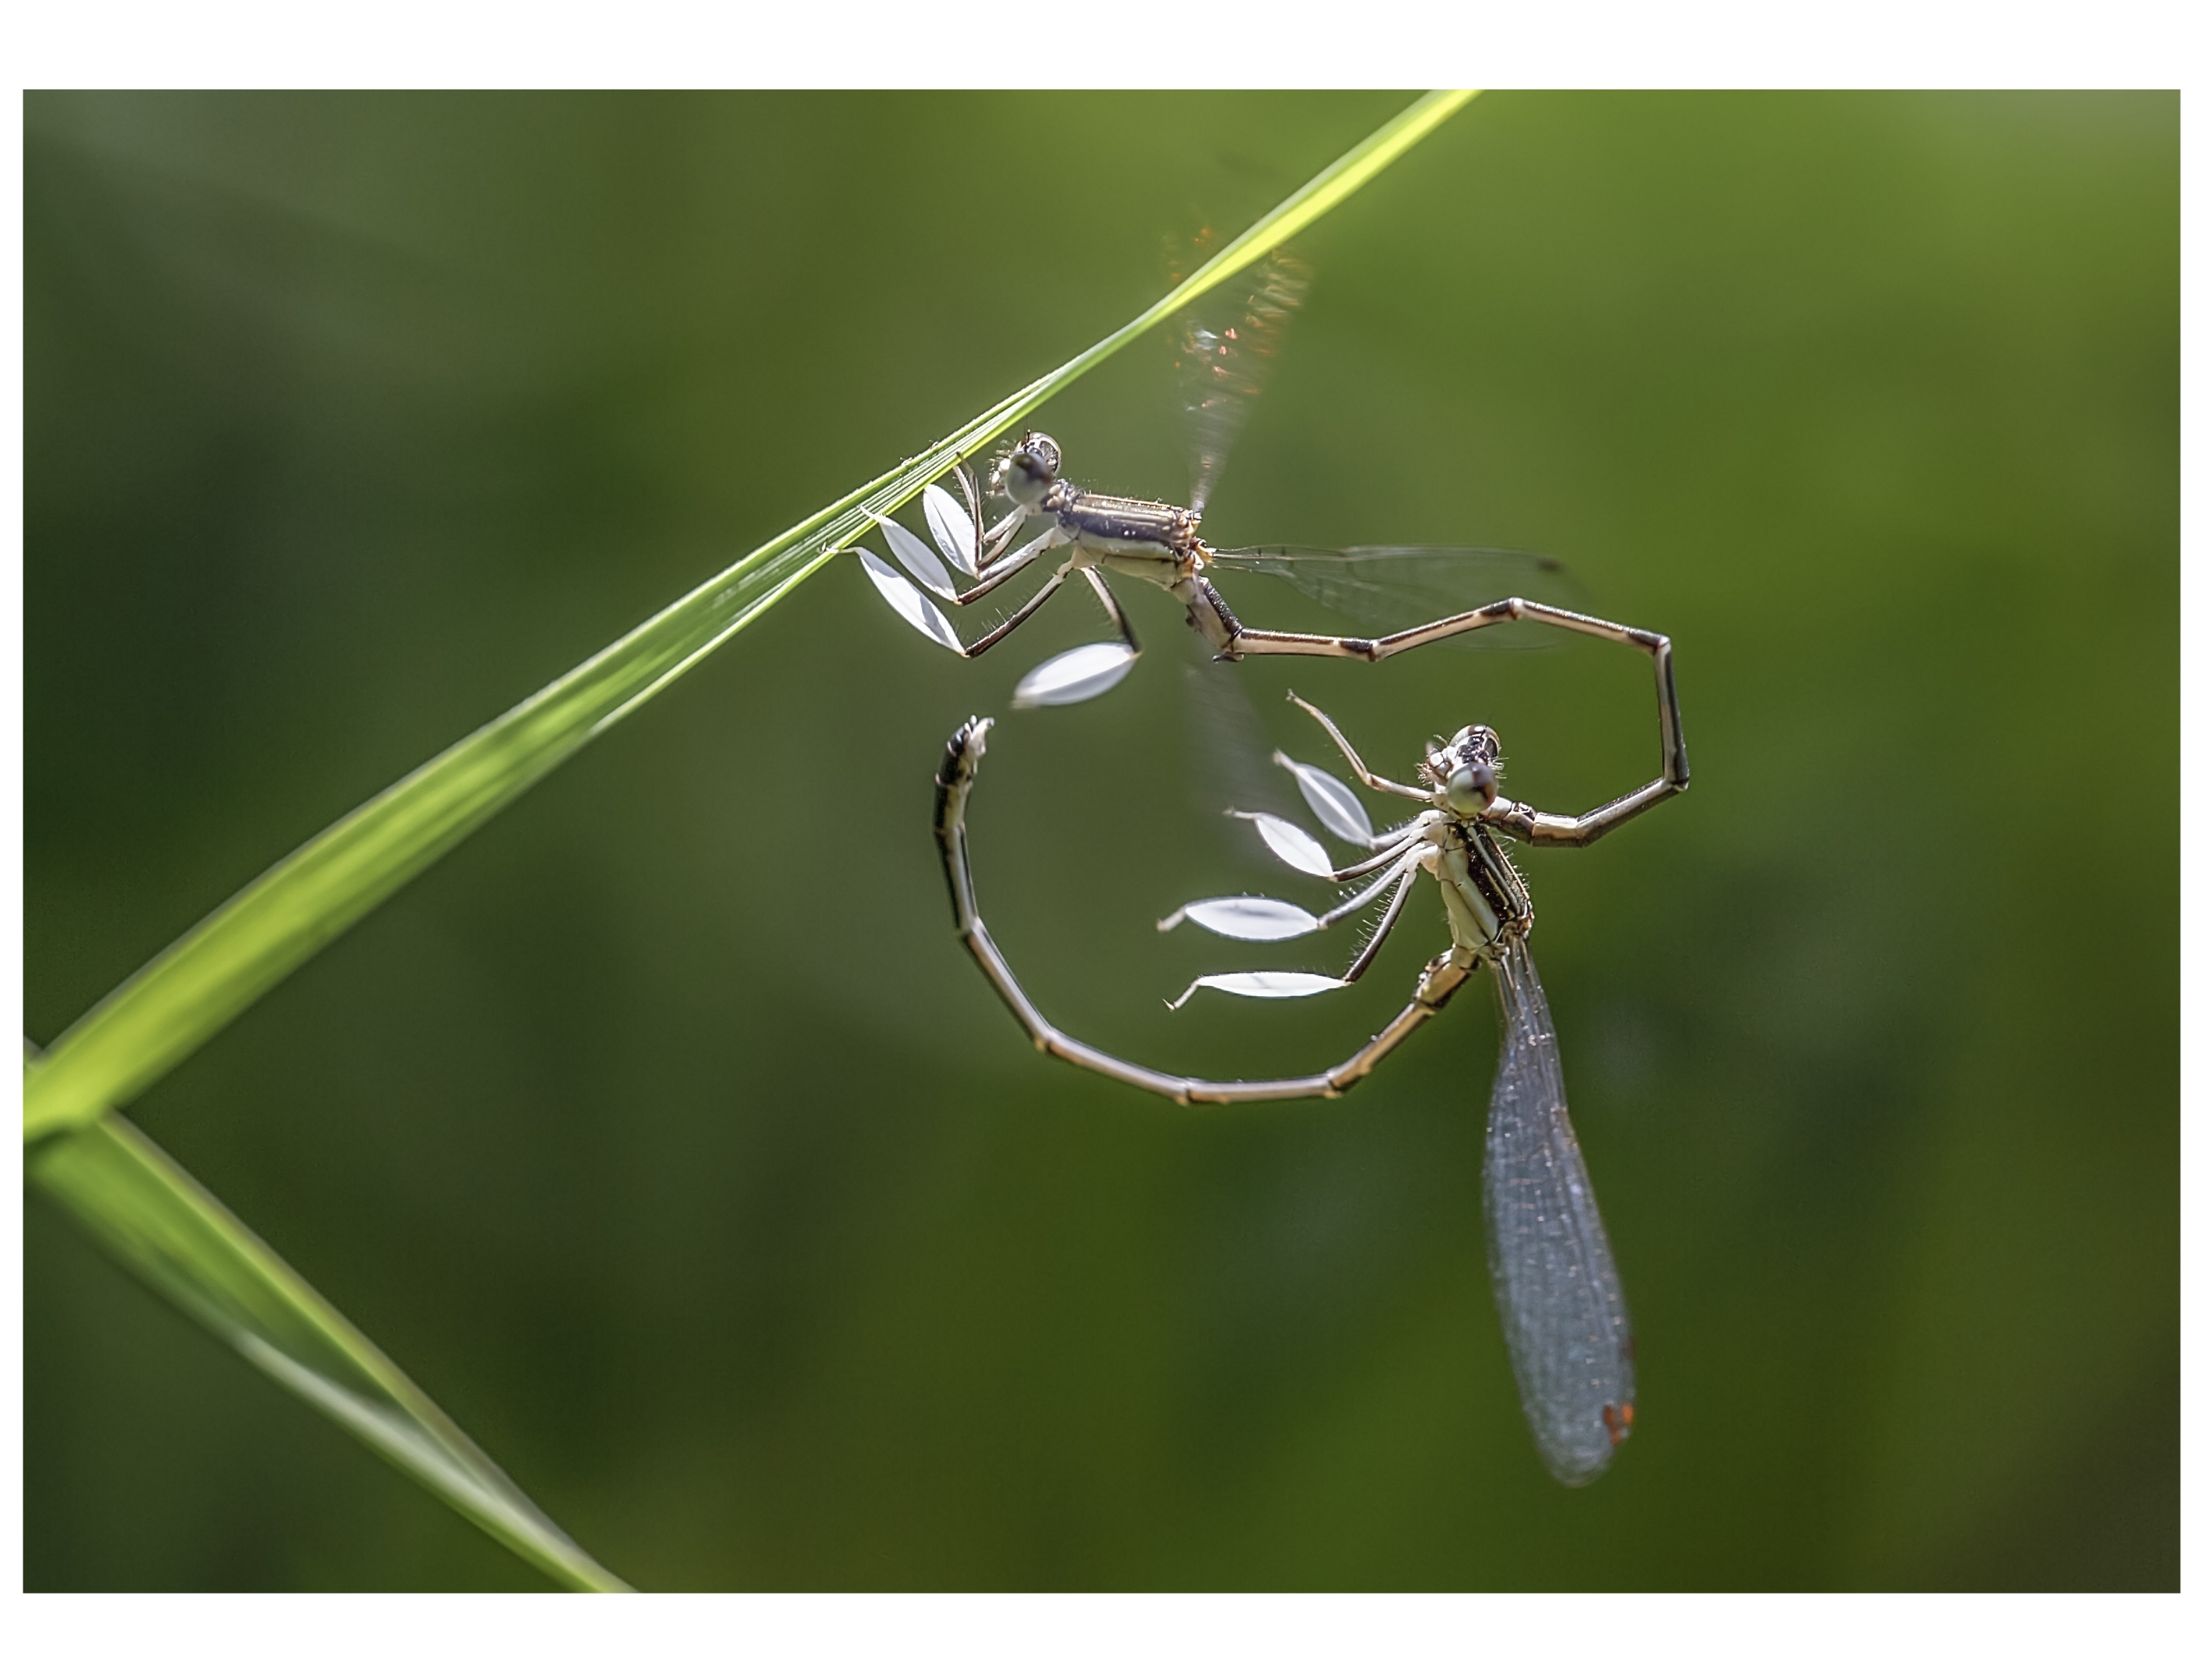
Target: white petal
x,y
1263,984
954,530
1336,806
1246,918
914,554
1076,674
915,607
1290,843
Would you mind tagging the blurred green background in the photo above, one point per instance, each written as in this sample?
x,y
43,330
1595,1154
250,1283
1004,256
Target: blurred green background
x,y
666,1136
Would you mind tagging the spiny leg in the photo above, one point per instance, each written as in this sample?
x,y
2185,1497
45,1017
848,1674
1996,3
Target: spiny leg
x,y
1381,784
1395,848
1389,848
998,571
1106,599
1404,867
898,587
1396,855
1000,537
1367,895
992,543
1409,873
925,616
955,779
990,638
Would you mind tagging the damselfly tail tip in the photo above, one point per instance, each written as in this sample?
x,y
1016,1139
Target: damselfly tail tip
x,y
1619,1421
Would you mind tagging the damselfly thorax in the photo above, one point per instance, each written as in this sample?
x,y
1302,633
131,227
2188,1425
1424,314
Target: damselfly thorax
x,y
1153,542
1484,896
1156,541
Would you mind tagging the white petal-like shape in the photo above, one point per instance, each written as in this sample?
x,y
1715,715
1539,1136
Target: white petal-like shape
x,y
910,603
1246,918
1263,984
1076,674
1336,805
954,530
1290,843
915,556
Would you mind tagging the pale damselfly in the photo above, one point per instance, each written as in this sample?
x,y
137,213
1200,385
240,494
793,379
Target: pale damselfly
x,y
1558,1293
1419,595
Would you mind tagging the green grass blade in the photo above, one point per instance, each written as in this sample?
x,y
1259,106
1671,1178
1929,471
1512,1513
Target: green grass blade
x,y
165,1226
204,981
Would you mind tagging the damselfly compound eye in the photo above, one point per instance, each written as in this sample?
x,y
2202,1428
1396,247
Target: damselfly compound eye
x,y
1037,453
1030,469
1471,788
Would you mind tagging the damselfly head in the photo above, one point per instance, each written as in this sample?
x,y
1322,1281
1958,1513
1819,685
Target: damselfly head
x,y
1464,771
1027,471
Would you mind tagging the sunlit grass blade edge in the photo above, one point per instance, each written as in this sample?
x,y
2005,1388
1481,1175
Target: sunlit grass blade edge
x,y
163,1225
217,970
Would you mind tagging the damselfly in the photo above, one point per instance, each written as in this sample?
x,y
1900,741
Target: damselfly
x,y
1420,595
1558,1293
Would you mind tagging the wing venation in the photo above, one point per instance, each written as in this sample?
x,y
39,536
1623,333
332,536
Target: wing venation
x,y
1558,1293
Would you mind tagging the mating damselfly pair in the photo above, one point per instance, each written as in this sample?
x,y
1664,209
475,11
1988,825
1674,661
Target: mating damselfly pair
x,y
1557,1290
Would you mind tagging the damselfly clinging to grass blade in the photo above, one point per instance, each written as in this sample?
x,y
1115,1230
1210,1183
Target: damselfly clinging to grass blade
x,y
1558,1294
1422,594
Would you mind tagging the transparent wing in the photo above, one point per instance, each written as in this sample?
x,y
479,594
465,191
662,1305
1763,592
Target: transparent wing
x,y
1222,359
1228,744
1558,1294
1396,589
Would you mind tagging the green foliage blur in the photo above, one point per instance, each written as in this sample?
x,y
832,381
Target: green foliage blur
x,y
666,1137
